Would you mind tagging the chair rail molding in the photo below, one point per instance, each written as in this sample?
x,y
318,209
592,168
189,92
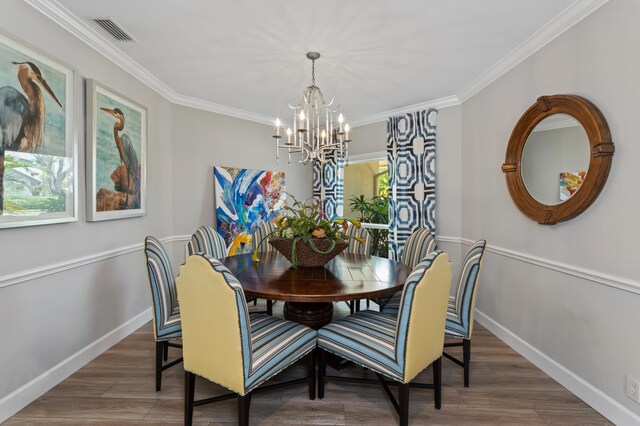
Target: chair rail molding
x,y
620,283
77,262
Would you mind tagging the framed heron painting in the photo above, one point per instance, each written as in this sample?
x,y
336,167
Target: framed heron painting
x,y
38,171
116,155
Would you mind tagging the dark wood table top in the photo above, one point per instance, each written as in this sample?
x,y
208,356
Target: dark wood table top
x,y
346,277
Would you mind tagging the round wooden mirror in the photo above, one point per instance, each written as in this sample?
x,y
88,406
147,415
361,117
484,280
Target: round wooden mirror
x,y
558,158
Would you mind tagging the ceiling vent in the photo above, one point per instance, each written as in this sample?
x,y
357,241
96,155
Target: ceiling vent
x,y
113,29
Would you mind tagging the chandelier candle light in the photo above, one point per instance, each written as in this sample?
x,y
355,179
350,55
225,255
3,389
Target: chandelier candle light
x,y
314,134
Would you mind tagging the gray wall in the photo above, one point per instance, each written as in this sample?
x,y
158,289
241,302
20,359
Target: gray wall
x,y
48,319
66,289
203,140
557,305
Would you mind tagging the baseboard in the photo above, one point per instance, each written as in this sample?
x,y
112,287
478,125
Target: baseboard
x,y
23,396
598,400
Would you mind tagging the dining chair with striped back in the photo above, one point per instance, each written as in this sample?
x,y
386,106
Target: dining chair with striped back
x,y
166,311
224,343
397,347
462,307
208,241
260,239
357,247
421,242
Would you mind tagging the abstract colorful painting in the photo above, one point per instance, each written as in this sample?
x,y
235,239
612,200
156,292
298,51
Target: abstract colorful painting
x,y
37,149
116,161
244,200
570,182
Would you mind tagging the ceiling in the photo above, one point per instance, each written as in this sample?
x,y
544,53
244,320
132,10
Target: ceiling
x,y
246,58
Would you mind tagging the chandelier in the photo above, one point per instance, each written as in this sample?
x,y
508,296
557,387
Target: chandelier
x,y
316,133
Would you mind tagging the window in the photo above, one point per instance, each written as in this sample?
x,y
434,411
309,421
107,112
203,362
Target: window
x,y
365,199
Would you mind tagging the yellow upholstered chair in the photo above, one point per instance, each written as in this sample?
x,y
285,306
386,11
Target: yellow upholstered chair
x,y
224,343
397,347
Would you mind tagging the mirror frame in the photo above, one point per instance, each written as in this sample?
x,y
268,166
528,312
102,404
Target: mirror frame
x,y
601,153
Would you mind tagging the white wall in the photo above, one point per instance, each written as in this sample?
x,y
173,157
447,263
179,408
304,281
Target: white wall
x,y
529,291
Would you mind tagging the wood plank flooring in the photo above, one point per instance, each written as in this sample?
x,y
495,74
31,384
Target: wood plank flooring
x,y
117,388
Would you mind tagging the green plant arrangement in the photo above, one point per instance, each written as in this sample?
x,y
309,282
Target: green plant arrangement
x,y
306,236
375,210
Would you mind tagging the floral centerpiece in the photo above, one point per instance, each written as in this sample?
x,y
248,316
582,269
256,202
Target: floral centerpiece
x,y
306,237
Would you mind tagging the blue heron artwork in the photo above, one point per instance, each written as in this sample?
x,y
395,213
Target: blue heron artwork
x,y
36,142
118,165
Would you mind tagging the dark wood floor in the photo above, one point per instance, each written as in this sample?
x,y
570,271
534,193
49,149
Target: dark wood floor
x,y
117,388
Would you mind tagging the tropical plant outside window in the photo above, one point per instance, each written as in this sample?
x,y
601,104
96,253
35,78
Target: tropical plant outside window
x,y
365,193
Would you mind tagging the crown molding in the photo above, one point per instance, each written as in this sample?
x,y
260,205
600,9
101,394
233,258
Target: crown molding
x,y
90,36
569,17
440,103
78,27
221,109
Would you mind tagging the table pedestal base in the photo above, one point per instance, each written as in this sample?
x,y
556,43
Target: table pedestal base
x,y
314,315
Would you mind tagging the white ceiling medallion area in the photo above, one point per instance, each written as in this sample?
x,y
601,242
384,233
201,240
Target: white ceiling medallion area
x,y
83,30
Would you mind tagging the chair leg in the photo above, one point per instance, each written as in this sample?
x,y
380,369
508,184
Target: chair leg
x,y
437,382
357,305
244,402
368,302
269,307
189,390
165,353
322,369
311,371
159,353
403,393
352,308
466,359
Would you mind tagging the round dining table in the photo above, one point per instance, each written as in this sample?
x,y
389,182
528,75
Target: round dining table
x,y
309,293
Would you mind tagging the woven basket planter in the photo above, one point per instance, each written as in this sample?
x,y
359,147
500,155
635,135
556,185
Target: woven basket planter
x,y
304,254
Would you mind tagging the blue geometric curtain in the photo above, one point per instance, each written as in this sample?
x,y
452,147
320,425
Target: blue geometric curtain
x,y
328,184
411,152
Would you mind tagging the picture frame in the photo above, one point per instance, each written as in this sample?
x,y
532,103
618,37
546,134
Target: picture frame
x,y
38,148
116,154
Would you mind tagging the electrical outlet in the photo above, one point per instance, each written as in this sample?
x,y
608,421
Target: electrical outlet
x,y
633,389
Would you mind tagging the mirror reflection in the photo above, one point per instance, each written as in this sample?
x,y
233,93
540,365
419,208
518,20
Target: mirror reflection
x,y
555,159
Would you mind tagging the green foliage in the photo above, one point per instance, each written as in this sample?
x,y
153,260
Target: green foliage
x,y
306,222
382,184
45,204
305,218
375,210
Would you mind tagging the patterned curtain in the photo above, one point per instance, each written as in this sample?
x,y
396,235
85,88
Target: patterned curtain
x,y
328,184
411,152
